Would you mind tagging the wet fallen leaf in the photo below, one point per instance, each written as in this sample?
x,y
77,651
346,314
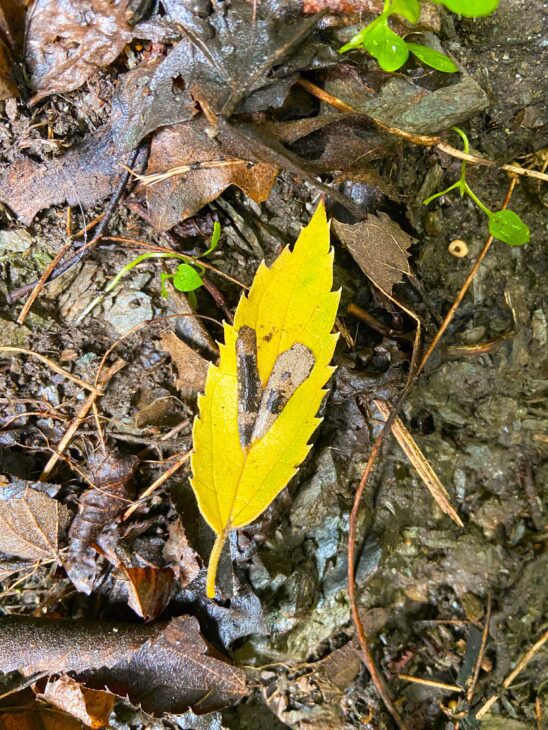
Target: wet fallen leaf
x,y
206,168
90,706
98,507
149,590
70,40
380,248
191,367
82,176
227,58
245,454
163,667
31,523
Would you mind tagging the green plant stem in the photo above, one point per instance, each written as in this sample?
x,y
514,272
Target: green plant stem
x,y
443,192
143,257
477,201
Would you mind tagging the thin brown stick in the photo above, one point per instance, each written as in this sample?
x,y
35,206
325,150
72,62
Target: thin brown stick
x,y
468,281
480,160
507,681
422,465
52,365
481,653
156,484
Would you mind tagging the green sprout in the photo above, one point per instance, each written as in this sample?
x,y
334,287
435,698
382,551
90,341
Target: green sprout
x,y
505,225
187,277
392,51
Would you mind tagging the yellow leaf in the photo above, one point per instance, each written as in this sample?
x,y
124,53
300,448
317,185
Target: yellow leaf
x,y
289,303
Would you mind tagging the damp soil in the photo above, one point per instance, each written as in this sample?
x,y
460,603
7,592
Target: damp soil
x,y
477,412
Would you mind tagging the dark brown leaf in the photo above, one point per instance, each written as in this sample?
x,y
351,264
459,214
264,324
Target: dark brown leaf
x,y
24,712
227,58
379,247
174,671
149,590
30,524
163,667
191,367
113,479
69,40
90,706
212,167
12,29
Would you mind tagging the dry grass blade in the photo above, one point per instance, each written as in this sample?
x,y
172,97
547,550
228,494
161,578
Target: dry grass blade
x,y
421,464
431,683
157,177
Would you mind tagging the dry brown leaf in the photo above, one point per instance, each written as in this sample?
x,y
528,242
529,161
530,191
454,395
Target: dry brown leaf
x,y
379,247
90,706
69,40
12,28
31,523
191,367
213,167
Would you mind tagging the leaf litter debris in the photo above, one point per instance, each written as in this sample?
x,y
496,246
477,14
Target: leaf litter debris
x,y
208,96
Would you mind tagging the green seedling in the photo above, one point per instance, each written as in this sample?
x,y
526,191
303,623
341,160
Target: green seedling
x,y
187,277
505,225
392,51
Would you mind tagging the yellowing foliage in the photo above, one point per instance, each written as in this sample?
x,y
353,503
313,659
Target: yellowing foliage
x,y
289,303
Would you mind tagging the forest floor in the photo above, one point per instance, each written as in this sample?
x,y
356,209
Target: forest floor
x,y
447,604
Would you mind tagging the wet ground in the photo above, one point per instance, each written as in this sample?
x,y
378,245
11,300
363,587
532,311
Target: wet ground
x,y
477,412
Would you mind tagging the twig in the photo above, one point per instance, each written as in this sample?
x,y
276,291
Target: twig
x,y
507,681
156,484
53,366
479,160
468,281
421,464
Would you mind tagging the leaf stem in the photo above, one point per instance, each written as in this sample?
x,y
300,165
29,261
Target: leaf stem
x,y
477,201
214,557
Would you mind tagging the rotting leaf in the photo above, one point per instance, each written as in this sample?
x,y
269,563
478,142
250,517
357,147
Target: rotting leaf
x,y
98,507
12,29
380,248
212,167
90,706
69,40
261,402
82,176
164,667
30,524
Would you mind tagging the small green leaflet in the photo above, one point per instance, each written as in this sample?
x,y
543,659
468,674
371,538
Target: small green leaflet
x,y
386,46
186,278
433,58
471,8
409,9
507,226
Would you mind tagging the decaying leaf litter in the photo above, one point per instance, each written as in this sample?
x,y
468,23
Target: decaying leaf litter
x,y
177,76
